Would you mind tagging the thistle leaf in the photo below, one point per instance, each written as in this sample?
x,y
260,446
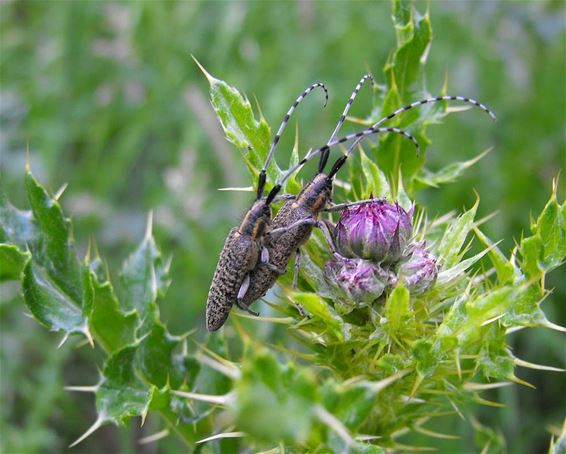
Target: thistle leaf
x,y
12,261
453,240
252,137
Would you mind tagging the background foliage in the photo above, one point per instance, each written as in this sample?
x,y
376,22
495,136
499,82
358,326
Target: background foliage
x,y
109,101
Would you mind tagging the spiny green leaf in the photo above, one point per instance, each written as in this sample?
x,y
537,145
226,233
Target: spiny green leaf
x,y
351,404
376,182
504,269
16,226
447,174
55,250
144,278
397,311
113,328
49,303
155,357
426,357
122,395
252,137
495,360
274,402
12,261
414,35
320,310
453,240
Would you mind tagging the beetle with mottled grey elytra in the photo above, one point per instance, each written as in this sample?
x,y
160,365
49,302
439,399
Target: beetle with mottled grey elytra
x,y
294,222
244,250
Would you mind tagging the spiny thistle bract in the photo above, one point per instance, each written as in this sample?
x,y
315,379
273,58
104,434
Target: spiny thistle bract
x,y
368,366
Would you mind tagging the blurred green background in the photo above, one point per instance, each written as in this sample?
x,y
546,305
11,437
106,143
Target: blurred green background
x,y
108,100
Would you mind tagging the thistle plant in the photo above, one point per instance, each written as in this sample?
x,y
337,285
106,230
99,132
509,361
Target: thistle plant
x,y
405,325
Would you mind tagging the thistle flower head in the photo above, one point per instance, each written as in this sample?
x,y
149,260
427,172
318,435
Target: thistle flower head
x,y
361,281
420,271
377,231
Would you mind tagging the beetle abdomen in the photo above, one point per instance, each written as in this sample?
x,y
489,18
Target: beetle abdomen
x,y
238,257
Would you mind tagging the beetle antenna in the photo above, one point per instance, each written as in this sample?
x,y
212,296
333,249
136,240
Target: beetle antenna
x,y
340,162
324,155
430,101
262,174
434,100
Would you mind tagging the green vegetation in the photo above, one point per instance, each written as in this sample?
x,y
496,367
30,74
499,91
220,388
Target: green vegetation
x,y
105,97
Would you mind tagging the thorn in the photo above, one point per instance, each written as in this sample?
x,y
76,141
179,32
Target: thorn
x,y
410,448
88,336
333,423
380,385
418,381
242,189
144,415
522,363
92,429
457,410
224,368
82,389
221,400
88,250
433,434
65,337
488,403
167,264
491,320
28,162
280,320
149,225
363,437
210,78
554,326
223,435
155,437
484,386
522,382
60,191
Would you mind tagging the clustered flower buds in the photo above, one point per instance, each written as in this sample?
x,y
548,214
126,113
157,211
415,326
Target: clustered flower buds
x,y
376,231
419,272
361,280
374,241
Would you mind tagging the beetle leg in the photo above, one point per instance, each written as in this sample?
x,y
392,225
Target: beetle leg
x,y
264,258
241,293
297,267
281,230
326,227
285,197
342,206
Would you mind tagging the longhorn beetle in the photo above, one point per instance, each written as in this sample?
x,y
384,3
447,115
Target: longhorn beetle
x,y
243,250
244,244
294,222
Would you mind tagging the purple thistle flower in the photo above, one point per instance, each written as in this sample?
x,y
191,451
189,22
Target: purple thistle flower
x,y
361,281
420,271
376,231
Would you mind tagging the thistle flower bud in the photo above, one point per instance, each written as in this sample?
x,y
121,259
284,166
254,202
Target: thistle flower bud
x,y
419,272
376,231
358,280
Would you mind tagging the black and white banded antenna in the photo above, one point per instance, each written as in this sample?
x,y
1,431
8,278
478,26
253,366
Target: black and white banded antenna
x,y
262,174
431,100
340,161
324,155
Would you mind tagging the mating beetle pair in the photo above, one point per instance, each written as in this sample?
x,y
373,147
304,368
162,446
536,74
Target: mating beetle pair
x,y
257,252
